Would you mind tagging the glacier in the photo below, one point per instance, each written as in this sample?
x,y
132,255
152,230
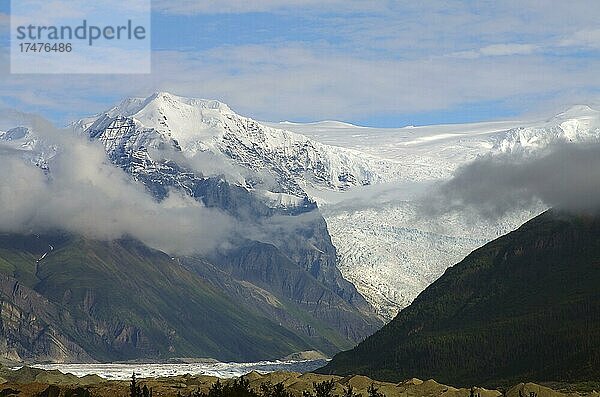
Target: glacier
x,y
123,371
386,245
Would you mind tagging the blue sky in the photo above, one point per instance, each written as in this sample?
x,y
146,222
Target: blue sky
x,y
371,62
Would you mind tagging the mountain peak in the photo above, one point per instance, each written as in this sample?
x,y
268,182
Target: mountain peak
x,y
166,98
165,102
188,120
578,111
15,133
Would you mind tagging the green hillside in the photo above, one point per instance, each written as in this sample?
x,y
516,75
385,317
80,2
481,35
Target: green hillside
x,y
523,307
121,300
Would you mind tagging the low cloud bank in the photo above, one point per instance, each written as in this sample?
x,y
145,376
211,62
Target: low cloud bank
x,y
85,194
566,176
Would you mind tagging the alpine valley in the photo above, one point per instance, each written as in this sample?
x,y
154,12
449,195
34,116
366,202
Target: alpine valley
x,y
328,244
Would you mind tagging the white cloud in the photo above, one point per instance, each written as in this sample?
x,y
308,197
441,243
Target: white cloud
x,y
504,49
299,82
87,195
414,57
187,7
589,38
507,49
86,59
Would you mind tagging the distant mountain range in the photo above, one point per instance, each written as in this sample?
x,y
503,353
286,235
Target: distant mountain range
x,y
368,182
524,306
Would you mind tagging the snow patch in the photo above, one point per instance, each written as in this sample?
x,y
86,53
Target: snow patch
x,y
284,200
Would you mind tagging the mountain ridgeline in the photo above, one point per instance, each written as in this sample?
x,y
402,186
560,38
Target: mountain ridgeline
x,y
525,306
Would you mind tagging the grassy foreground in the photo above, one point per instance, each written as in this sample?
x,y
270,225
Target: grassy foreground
x,y
35,382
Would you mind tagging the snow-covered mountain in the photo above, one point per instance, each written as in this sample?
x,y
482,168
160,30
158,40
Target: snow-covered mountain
x,y
278,258
579,124
172,142
33,148
218,141
387,246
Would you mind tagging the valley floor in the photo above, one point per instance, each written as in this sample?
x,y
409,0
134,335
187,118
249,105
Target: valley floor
x,y
36,382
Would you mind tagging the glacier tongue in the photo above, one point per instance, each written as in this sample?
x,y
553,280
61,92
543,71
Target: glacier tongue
x,y
391,251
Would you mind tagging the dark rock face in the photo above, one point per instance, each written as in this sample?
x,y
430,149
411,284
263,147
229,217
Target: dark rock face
x,y
33,327
287,291
525,306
